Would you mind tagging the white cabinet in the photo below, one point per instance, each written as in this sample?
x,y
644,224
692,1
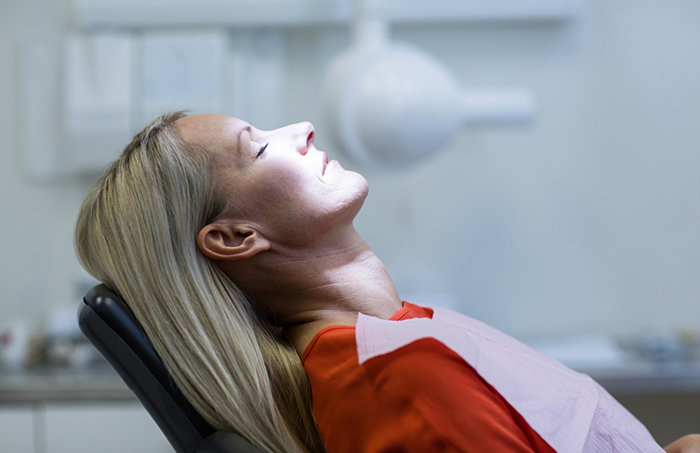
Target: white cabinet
x,y
105,427
16,430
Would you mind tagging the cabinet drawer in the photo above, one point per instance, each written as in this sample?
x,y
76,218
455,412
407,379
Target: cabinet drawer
x,y
103,427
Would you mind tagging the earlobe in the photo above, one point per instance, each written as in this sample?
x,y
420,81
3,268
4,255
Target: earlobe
x,y
226,241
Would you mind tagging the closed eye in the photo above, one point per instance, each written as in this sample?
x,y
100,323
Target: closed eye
x,y
262,150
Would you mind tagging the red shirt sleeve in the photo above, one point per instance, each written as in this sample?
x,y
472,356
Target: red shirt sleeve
x,y
420,398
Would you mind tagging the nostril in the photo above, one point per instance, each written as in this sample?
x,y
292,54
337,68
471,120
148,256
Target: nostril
x,y
303,131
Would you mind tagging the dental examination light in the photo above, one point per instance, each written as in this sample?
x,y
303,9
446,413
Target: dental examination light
x,y
391,104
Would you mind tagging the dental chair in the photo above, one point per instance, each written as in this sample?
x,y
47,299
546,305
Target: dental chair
x,y
108,323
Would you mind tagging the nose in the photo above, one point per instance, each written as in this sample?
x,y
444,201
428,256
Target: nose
x,y
304,136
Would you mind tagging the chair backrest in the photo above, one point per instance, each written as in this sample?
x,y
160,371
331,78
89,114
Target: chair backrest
x,y
109,324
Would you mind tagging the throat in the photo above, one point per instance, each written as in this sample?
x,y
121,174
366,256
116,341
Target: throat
x,y
304,291
302,334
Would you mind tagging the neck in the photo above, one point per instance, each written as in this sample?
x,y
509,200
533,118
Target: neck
x,y
312,288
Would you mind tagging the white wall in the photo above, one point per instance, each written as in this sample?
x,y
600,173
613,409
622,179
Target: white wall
x,y
586,221
37,266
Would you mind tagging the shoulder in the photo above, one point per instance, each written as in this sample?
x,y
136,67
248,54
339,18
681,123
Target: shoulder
x,y
425,364
332,357
423,395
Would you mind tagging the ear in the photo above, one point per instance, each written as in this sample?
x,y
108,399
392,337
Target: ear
x,y
226,240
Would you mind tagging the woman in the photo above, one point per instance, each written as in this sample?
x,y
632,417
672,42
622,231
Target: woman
x,y
236,251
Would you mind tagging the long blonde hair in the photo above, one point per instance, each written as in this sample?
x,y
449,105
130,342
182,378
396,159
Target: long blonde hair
x,y
136,232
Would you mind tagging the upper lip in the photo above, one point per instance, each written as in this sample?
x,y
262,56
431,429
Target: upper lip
x,y
325,162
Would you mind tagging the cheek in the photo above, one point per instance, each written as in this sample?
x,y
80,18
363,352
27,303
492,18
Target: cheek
x,y
283,189
295,206
279,198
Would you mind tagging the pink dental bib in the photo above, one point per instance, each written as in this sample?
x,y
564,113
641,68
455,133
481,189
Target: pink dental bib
x,y
569,410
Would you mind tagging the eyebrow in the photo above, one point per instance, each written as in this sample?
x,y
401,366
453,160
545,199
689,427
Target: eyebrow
x,y
247,128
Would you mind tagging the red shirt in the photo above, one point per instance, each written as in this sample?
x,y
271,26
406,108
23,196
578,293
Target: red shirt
x,y
420,398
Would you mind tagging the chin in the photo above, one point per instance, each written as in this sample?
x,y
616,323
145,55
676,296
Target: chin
x,y
361,182
360,194
362,188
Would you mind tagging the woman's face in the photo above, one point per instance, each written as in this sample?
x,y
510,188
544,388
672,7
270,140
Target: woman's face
x,y
277,179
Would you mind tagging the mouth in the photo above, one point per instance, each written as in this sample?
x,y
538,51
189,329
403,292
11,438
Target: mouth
x,y
325,164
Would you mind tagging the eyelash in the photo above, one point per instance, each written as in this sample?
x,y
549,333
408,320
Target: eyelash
x,y
262,150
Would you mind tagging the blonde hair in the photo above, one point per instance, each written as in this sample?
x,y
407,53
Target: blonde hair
x,y
136,232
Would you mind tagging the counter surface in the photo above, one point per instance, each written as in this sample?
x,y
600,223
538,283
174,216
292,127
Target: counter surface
x,y
40,385
647,378
102,383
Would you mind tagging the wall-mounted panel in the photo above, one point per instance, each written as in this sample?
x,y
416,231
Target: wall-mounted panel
x,y
85,94
40,94
97,86
183,71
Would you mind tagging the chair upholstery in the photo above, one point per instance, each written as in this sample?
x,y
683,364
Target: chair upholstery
x,y
108,323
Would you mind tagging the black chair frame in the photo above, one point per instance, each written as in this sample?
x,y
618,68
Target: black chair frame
x,y
109,324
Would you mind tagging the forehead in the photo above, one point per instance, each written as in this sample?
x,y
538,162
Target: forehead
x,y
217,134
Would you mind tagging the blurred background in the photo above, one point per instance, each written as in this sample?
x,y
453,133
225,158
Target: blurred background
x,y
578,232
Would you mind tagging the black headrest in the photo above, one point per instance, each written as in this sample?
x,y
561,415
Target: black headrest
x,y
109,324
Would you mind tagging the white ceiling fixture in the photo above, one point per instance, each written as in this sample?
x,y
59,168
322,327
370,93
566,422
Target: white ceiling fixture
x,y
391,104
145,13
